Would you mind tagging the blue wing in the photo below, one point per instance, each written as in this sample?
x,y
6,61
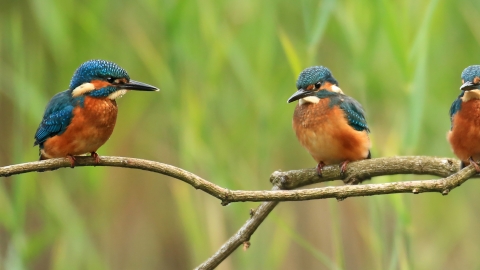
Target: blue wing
x,y
354,112
352,108
456,105
57,117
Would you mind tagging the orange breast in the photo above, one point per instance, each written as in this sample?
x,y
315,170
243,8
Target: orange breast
x,y
465,135
90,128
325,133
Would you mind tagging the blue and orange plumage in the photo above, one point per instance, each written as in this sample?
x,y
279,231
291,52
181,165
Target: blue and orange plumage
x,y
329,124
464,134
81,119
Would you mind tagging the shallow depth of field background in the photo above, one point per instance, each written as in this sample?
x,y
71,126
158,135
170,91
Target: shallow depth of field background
x,y
225,70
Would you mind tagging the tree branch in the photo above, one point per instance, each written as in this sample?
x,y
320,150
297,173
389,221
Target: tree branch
x,y
242,236
356,172
368,168
124,162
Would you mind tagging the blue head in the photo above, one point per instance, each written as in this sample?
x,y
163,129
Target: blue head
x,y
311,80
101,79
471,78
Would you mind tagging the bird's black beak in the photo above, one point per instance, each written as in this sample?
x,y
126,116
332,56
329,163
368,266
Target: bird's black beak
x,y
138,86
301,93
467,86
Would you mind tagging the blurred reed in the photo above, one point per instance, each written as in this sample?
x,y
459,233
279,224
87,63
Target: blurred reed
x,y
225,70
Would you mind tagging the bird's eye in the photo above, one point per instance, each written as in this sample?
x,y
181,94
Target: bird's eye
x,y
317,85
110,79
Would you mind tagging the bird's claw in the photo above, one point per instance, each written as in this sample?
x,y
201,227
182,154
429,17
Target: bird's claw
x,y
343,167
319,168
72,161
95,156
472,162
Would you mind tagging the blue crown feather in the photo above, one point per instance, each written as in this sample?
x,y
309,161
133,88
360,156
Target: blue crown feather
x,y
96,69
315,74
470,73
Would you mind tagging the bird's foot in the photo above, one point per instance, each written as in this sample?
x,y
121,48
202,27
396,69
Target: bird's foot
x,y
343,167
472,162
319,168
95,156
72,161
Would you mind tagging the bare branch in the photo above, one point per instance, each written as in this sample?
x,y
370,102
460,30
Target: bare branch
x,y
357,171
365,169
241,236
124,162
282,181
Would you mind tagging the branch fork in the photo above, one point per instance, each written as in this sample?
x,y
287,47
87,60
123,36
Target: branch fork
x,y
286,184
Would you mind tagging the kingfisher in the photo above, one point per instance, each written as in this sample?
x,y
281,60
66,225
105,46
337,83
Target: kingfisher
x,y
328,123
464,134
81,119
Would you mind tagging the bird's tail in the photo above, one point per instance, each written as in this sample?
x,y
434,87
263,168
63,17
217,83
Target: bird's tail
x,y
41,156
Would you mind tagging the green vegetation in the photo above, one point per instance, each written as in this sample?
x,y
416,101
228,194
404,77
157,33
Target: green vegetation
x,y
225,70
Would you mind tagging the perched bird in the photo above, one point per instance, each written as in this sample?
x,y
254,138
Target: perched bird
x,y
81,119
329,124
464,134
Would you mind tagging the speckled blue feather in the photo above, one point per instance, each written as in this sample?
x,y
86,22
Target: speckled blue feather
x,y
57,116
354,112
315,74
470,73
96,70
353,109
456,106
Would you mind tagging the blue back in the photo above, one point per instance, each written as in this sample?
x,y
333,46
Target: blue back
x,y
456,105
353,109
57,116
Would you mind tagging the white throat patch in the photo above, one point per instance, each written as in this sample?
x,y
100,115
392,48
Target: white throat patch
x,y
117,94
82,89
472,94
309,99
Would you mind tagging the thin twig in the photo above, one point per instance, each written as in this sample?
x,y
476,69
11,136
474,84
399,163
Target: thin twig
x,y
241,237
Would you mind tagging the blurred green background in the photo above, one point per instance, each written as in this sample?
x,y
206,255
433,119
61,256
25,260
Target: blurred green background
x,y
226,69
